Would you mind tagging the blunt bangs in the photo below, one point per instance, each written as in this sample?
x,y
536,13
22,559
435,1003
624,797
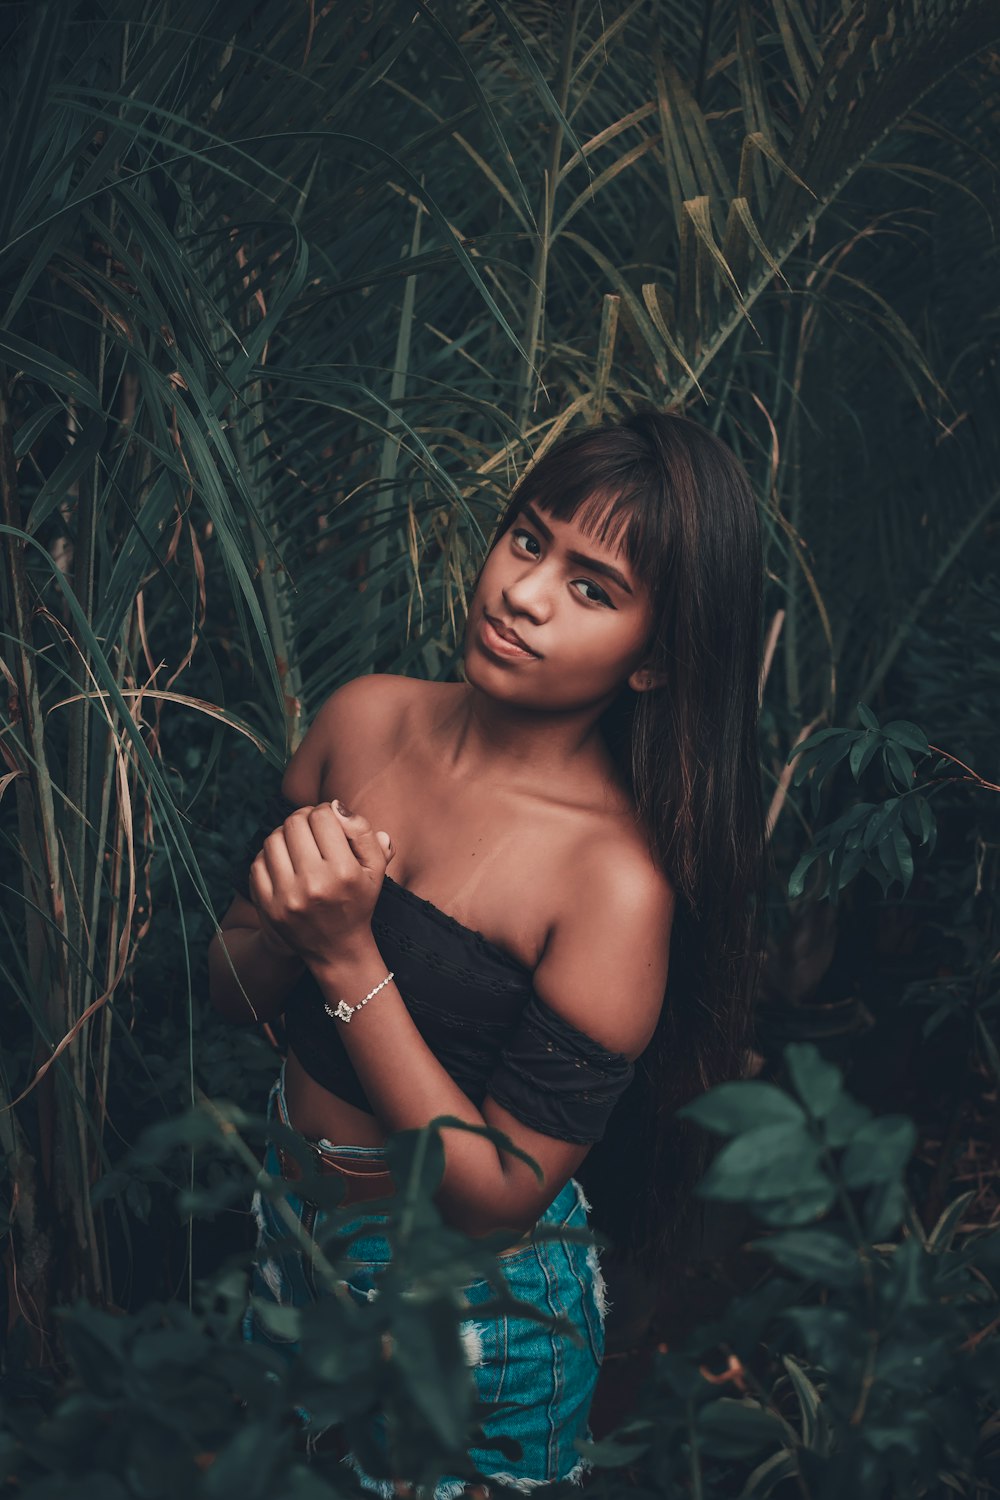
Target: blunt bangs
x,y
608,485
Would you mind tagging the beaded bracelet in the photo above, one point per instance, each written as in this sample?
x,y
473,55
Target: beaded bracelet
x,y
344,1012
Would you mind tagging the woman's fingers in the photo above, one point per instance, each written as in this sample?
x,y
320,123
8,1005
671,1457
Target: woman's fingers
x,y
261,885
327,833
361,836
280,866
314,834
387,846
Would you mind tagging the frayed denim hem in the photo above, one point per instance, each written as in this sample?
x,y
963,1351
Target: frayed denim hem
x,y
384,1487
452,1489
445,1489
575,1476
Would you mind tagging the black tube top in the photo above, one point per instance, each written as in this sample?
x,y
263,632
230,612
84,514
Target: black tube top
x,y
476,1008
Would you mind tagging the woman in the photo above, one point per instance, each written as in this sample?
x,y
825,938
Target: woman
x,y
580,812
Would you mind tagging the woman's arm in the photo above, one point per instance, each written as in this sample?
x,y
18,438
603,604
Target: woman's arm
x,y
250,971
604,971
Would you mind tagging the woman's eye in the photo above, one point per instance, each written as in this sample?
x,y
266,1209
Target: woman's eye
x,y
598,596
601,596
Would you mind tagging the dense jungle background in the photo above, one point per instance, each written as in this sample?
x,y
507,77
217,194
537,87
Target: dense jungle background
x,y
292,293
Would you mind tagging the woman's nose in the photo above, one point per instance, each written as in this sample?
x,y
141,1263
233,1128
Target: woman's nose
x,y
529,594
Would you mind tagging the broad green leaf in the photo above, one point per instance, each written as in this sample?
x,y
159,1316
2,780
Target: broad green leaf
x,y
826,761
911,1268
844,1120
884,1209
817,1254
880,823
853,862
805,747
808,1203
766,1163
910,736
918,817
903,854
817,1082
797,879
899,764
738,1429
862,752
427,1352
742,1105
879,1151
612,1452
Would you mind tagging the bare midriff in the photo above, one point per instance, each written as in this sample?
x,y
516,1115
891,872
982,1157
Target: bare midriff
x,y
318,1114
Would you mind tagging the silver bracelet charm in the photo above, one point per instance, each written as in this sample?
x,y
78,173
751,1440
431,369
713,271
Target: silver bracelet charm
x,y
344,1012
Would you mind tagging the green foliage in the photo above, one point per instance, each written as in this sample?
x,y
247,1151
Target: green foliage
x,y
169,1399
859,1363
862,1361
877,837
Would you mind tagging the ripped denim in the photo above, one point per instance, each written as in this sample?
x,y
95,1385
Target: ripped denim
x,y
550,1377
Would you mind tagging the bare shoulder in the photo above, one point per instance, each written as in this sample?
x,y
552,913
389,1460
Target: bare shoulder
x,y
618,887
606,962
624,876
367,712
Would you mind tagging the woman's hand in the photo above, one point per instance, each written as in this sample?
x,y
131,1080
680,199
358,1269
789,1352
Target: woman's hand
x,y
316,880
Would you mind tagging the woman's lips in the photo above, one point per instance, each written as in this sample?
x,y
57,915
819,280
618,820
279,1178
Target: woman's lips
x,y
492,641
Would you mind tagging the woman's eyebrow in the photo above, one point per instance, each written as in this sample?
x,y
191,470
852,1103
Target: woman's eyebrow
x,y
593,563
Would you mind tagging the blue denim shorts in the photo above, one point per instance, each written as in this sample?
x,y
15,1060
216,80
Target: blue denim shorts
x,y
550,1376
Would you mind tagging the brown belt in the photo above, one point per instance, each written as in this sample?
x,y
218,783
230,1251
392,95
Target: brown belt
x,y
359,1186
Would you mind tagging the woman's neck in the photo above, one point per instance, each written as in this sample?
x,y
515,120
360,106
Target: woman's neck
x,y
480,737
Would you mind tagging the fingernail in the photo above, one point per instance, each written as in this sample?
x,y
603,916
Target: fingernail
x,y
345,812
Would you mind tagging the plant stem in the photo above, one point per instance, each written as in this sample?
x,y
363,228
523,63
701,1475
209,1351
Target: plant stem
x,y
697,1489
861,1241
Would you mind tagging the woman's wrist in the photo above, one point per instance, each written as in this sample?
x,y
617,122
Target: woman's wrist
x,y
355,962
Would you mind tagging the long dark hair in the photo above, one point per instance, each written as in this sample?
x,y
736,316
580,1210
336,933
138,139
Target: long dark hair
x,y
679,503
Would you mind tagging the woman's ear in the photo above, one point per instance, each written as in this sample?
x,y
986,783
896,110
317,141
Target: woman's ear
x,y
643,679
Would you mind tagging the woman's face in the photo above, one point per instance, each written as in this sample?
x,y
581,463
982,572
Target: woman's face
x,y
575,604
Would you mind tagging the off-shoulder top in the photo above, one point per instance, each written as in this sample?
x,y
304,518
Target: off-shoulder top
x,y
475,1006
